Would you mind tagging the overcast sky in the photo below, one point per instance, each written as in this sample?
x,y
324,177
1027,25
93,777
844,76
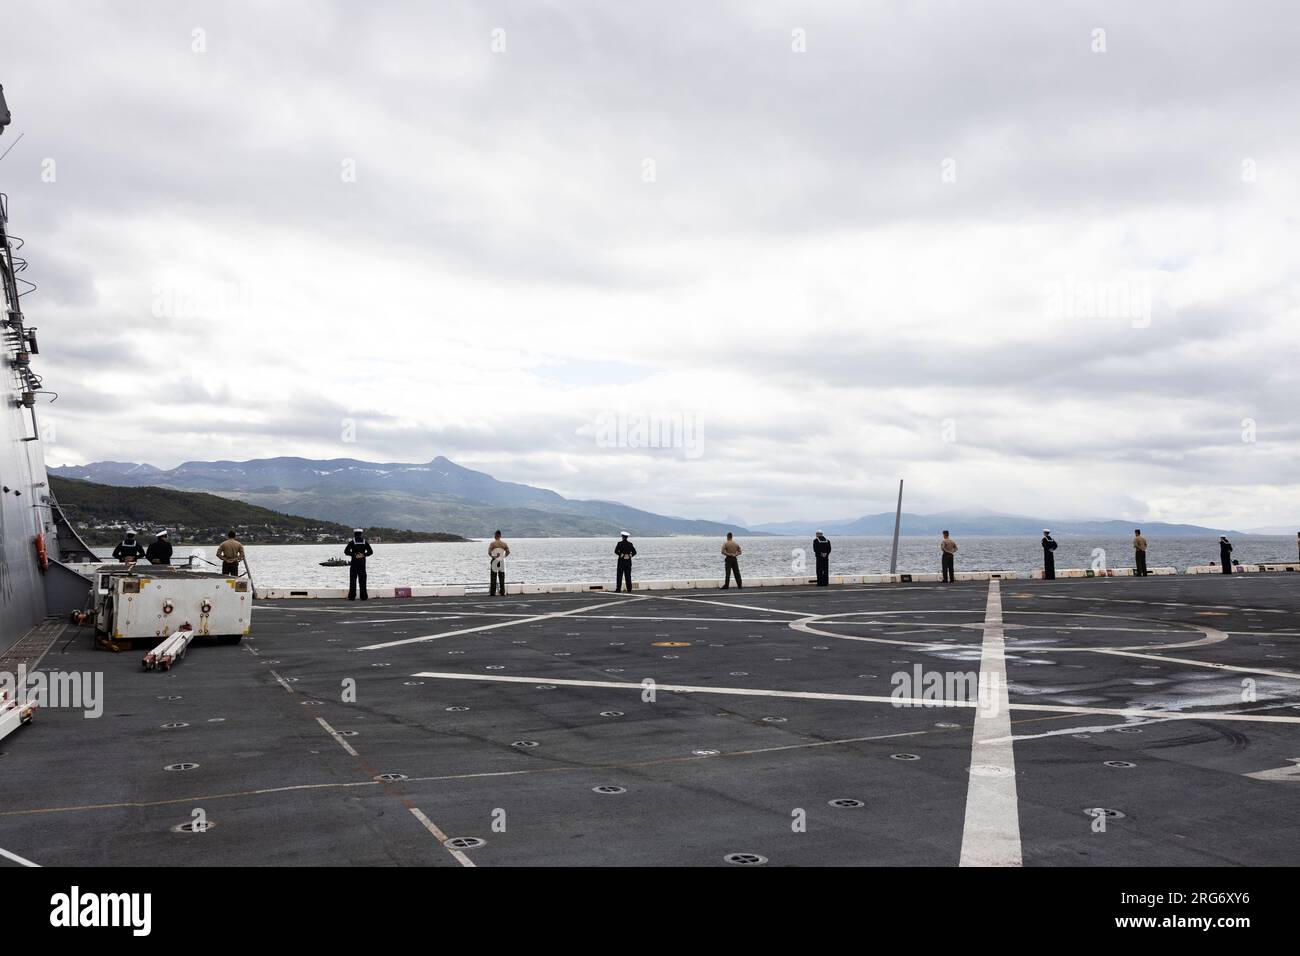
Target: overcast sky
x,y
1038,258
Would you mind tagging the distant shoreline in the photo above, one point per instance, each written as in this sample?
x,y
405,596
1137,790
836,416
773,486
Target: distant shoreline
x,y
709,537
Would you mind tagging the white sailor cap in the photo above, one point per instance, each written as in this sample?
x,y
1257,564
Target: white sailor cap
x,y
623,534
818,531
358,530
161,534
1047,531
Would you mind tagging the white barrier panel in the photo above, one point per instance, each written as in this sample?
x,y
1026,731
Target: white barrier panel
x,y
288,594
1103,573
1243,568
696,584
983,575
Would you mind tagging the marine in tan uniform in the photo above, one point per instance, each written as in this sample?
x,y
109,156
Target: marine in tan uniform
x,y
948,547
730,552
231,553
498,551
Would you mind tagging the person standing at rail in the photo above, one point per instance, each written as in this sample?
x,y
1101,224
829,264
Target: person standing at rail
x,y
822,553
1139,553
730,553
160,552
1225,553
949,548
1049,559
358,549
230,552
626,551
129,551
498,551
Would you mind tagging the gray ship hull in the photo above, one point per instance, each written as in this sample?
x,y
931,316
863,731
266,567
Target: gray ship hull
x,y
25,508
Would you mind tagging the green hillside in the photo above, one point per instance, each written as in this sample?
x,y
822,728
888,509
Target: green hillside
x,y
100,512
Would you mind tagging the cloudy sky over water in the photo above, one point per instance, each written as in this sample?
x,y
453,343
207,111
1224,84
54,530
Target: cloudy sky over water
x,y
1038,258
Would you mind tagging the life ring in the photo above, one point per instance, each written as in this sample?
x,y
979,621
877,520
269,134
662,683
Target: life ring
x,y
41,554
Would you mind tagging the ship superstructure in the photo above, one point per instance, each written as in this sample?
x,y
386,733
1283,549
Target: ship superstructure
x,y
33,582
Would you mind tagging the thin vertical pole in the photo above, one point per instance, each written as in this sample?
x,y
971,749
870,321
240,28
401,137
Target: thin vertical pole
x,y
898,518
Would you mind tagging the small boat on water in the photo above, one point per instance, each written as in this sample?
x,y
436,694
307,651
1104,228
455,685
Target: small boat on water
x,y
335,563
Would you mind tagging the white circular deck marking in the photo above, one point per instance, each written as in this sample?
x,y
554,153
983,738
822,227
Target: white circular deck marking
x,y
806,624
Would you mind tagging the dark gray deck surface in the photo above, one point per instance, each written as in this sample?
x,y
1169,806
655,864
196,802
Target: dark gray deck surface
x,y
286,769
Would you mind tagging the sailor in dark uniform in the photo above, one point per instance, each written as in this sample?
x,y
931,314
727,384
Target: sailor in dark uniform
x,y
626,551
358,550
160,552
1049,559
822,552
129,551
1225,553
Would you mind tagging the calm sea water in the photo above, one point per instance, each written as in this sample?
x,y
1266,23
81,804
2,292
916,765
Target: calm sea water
x,y
540,560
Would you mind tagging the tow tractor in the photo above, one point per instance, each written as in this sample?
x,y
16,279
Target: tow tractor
x,y
172,604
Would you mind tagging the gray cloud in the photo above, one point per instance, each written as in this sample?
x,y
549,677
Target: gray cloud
x,y
798,274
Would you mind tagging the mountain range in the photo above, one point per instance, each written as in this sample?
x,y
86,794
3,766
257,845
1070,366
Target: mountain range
x,y
101,513
439,495
988,523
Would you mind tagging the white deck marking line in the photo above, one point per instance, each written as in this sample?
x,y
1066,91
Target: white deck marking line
x,y
585,768
668,617
979,626
337,737
1235,668
486,627
991,832
861,698
17,859
818,743
395,616
1216,607
690,689
1131,723
740,607
805,625
1289,774
283,683
441,837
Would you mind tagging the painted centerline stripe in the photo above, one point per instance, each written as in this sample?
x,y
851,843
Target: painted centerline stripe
x,y
441,837
337,737
351,751
991,833
861,698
